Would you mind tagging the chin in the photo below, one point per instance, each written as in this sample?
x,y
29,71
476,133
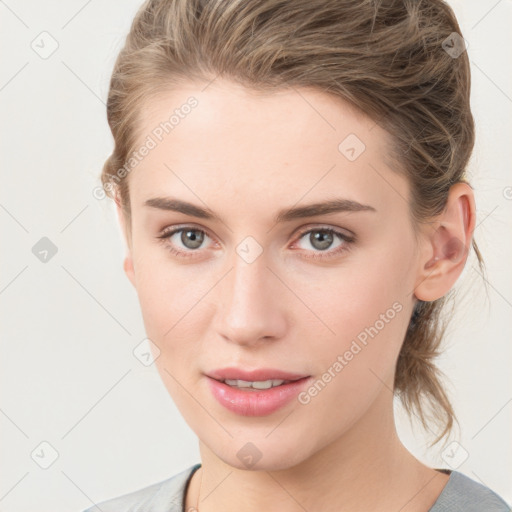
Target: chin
x,y
261,454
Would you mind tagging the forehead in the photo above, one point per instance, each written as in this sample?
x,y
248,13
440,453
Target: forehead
x,y
223,139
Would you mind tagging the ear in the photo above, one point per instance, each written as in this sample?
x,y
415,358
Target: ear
x,y
128,260
446,244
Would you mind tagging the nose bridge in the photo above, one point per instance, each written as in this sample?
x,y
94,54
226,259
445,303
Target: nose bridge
x,y
249,282
249,306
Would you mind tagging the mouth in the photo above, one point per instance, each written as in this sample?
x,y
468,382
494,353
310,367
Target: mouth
x,y
263,378
255,385
257,392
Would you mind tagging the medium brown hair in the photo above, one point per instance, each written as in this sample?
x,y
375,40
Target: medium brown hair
x,y
387,58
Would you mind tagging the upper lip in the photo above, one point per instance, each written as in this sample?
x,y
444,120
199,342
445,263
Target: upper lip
x,y
260,374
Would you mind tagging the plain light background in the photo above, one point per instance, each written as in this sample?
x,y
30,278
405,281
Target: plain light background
x,y
69,378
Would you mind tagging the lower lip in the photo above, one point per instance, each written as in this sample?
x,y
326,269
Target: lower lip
x,y
255,402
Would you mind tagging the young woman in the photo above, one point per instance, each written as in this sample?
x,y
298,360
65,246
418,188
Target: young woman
x,y
290,178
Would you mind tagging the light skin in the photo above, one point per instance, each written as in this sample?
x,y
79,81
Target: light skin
x,y
245,157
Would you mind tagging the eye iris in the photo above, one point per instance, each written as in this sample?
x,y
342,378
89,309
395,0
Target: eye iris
x,y
321,239
193,237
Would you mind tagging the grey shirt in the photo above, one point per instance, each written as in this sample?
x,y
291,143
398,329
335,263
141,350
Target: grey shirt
x,y
460,494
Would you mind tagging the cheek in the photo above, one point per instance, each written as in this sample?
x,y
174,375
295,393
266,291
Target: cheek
x,y
369,293
368,317
172,302
366,306
175,314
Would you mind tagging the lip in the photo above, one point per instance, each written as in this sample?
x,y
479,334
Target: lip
x,y
261,402
253,375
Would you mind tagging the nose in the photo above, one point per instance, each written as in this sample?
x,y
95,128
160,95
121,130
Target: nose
x,y
251,307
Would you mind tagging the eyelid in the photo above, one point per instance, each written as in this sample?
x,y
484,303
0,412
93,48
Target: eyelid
x,y
170,230
346,233
183,225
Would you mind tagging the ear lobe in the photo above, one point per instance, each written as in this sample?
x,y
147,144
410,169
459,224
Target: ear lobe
x,y
447,245
128,267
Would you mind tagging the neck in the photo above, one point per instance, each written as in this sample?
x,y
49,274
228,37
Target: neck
x,y
367,468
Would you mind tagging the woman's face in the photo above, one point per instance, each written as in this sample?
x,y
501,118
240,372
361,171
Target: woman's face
x,y
260,281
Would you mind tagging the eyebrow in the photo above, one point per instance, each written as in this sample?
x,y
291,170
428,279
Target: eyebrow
x,y
285,215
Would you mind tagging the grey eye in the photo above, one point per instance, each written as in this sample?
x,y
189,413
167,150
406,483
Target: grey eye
x,y
321,240
191,238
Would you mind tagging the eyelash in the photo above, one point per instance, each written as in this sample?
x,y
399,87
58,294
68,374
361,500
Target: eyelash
x,y
347,240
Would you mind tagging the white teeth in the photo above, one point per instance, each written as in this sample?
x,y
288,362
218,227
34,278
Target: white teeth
x,y
260,384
